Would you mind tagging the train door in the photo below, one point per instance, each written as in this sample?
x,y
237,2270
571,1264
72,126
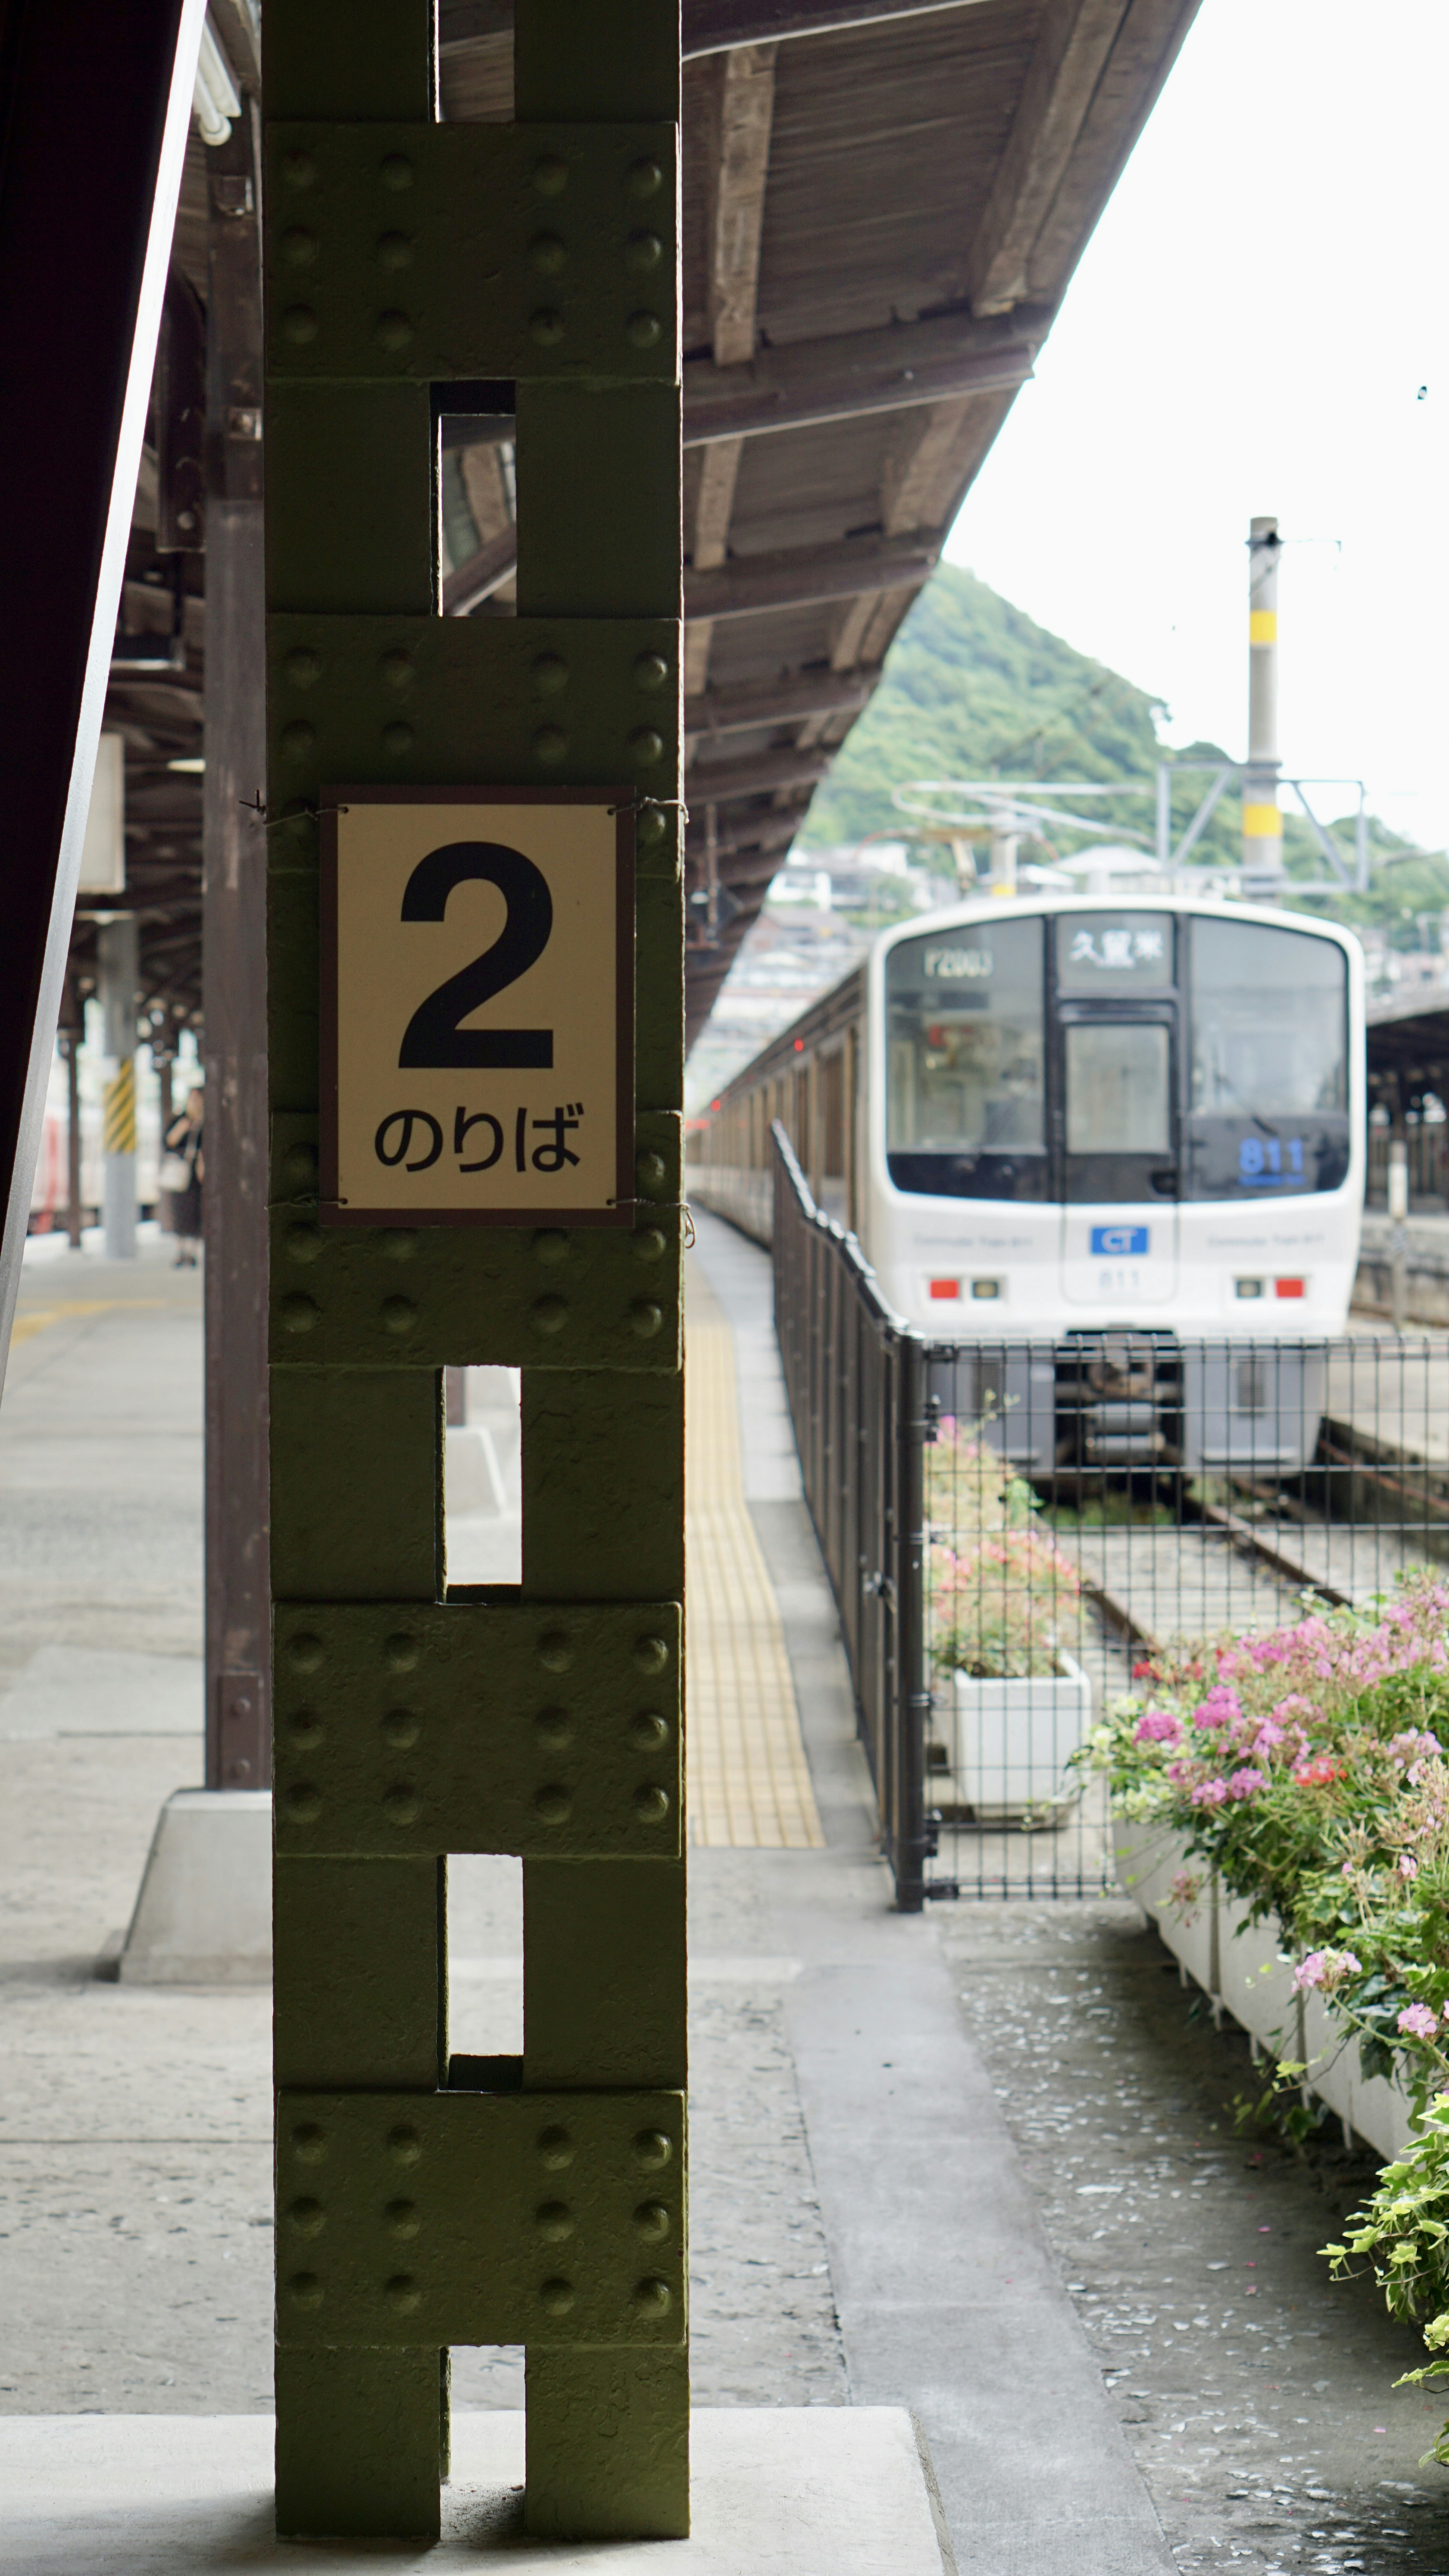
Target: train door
x,y
1119,1144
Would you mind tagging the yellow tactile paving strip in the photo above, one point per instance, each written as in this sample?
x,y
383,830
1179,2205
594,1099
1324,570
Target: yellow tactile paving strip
x,y
749,1783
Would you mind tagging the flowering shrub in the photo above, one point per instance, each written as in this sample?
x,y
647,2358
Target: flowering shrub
x,y
996,1582
1306,1767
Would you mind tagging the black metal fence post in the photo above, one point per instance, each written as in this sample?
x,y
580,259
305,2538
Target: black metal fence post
x,y
912,1687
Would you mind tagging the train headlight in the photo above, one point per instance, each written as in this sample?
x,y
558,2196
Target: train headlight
x,y
1248,1287
986,1287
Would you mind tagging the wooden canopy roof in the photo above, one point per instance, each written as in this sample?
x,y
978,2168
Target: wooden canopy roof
x,y
884,201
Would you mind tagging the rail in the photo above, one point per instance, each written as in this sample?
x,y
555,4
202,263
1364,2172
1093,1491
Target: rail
x,y
1014,1528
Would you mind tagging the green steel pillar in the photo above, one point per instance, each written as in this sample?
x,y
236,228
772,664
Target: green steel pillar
x,y
425,2200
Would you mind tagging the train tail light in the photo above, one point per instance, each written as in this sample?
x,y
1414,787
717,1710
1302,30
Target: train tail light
x,y
945,1287
1290,1287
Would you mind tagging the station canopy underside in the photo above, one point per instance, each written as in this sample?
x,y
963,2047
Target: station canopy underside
x,y
880,219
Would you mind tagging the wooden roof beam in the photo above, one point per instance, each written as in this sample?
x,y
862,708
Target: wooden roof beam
x,y
748,839
739,166
770,702
806,576
850,373
847,374
772,772
798,577
712,26
1068,58
484,573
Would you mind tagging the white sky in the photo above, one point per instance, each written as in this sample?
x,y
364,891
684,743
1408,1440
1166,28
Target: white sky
x,y
1248,332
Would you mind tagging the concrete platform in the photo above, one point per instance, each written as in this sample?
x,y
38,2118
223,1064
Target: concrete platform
x,y
778,2491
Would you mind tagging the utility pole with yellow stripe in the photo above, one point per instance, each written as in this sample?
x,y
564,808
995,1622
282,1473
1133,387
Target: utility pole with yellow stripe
x,y
1262,820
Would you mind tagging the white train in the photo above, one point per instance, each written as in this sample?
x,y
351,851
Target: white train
x,y
1051,1117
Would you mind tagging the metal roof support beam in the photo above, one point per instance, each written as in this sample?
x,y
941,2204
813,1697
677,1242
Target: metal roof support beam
x,y
808,576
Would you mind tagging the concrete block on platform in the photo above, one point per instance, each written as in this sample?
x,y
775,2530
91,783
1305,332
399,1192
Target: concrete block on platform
x,y
204,1913
777,2491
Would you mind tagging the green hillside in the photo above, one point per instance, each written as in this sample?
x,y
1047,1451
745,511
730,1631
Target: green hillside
x,y
974,689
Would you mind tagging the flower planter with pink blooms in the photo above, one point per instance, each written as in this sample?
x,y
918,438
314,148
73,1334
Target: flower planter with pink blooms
x,y
1282,1811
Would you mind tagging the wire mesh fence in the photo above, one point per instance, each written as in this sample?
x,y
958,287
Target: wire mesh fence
x,y
1014,1529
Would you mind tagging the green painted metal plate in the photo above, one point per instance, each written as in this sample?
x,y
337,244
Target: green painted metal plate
x,y
440,252
482,1726
481,702
378,2235
448,1297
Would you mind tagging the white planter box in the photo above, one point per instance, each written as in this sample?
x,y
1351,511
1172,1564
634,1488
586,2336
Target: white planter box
x,y
1240,1966
1013,1741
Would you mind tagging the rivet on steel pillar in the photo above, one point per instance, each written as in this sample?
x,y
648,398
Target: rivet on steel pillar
x,y
426,2200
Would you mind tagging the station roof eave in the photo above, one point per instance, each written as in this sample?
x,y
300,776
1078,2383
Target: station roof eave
x,y
1408,1039
884,201
883,205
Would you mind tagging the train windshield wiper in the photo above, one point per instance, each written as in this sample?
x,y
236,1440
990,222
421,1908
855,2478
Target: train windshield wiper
x,y
1226,1083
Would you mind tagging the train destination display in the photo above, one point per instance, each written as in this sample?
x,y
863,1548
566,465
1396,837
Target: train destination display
x,y
477,1006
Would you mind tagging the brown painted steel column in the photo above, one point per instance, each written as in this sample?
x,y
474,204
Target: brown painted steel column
x,y
238,1712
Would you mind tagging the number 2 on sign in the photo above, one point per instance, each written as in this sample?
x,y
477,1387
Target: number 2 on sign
x,y
433,1039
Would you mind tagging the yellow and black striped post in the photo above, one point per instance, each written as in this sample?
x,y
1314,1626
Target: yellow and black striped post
x,y
118,980
120,1109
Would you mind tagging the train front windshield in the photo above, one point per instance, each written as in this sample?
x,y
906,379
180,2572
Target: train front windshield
x,y
1268,1064
1208,1065
966,1062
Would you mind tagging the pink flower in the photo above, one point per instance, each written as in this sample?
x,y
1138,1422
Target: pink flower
x,y
1416,2021
1158,1726
1325,1969
1221,1707
1211,1793
1245,1783
1408,1866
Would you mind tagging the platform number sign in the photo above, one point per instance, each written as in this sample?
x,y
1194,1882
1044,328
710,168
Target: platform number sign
x,y
477,1006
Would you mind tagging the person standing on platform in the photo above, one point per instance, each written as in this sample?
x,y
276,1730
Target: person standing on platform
x,y
182,1174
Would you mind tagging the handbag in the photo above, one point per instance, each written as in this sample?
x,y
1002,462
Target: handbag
x,y
175,1174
